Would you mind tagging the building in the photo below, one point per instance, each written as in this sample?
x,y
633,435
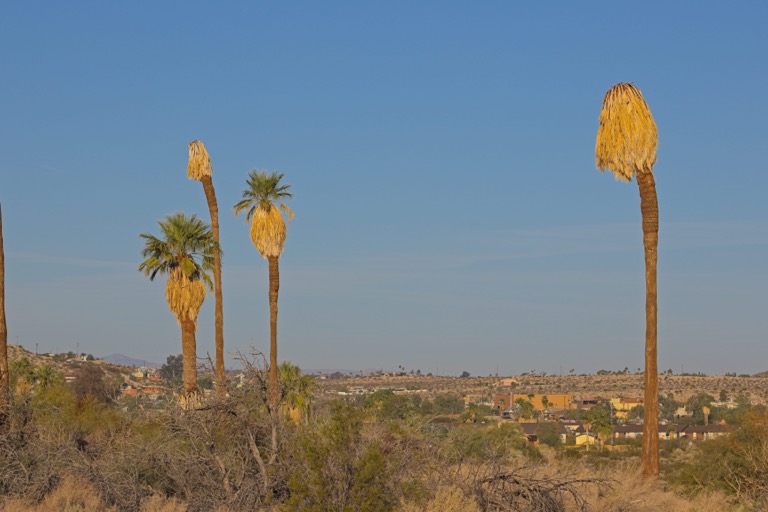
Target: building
x,y
704,432
504,402
666,431
622,406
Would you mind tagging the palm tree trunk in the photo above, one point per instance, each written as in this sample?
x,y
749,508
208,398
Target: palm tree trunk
x,y
189,351
221,374
649,207
4,382
274,286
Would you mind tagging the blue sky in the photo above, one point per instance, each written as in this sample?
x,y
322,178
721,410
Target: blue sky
x,y
449,215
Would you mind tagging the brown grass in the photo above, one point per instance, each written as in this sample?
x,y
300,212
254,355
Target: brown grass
x,y
199,162
632,492
71,495
627,136
447,499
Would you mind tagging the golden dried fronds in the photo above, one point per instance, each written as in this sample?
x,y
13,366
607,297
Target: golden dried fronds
x,y
627,136
199,162
268,230
190,400
184,296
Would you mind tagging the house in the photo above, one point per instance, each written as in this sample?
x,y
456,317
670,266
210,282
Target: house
x,y
585,403
127,389
631,431
151,390
585,438
506,401
622,406
572,425
703,432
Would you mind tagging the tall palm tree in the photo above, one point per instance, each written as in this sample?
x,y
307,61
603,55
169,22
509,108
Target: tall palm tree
x,y
261,199
199,168
626,144
184,253
4,378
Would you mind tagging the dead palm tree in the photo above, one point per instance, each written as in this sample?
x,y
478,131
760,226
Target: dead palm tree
x,y
626,144
4,380
265,213
185,254
199,168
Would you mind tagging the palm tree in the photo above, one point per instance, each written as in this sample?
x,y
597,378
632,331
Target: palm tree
x,y
264,211
199,168
185,253
46,376
4,378
295,389
626,144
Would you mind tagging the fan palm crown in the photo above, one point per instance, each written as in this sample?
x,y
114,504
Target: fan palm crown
x,y
199,164
627,137
261,201
185,254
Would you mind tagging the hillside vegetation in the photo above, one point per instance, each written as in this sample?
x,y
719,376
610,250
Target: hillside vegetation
x,y
65,449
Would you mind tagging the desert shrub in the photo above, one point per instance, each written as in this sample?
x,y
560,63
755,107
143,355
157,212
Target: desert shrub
x,y
736,464
386,405
90,381
491,444
335,468
448,404
549,435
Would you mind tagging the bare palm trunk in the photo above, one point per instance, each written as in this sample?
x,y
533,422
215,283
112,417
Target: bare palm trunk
x,y
4,382
189,351
221,374
274,286
649,207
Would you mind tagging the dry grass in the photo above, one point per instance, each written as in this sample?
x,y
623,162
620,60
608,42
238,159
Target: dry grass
x,y
631,492
199,162
627,136
71,495
447,499
268,230
74,495
184,296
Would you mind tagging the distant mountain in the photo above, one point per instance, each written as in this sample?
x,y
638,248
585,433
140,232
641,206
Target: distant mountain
x,y
367,371
123,360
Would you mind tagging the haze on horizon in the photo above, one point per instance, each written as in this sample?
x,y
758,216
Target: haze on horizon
x,y
449,213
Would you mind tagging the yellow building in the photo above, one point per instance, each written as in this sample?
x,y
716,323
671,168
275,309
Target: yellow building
x,y
554,401
622,406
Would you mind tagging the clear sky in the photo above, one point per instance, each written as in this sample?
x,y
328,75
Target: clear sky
x,y
449,214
